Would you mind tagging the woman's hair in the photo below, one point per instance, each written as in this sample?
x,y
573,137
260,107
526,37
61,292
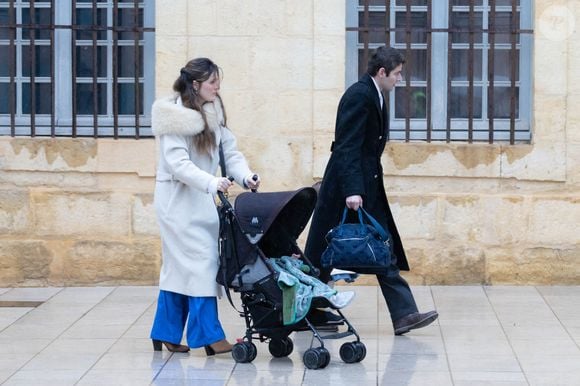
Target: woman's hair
x,y
199,70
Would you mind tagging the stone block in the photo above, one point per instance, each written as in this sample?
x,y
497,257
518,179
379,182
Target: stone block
x,y
133,262
573,164
14,211
573,119
554,221
171,17
325,104
321,153
48,179
48,154
82,214
542,162
446,265
329,60
231,53
550,116
415,216
144,217
171,54
441,159
282,162
126,156
544,52
299,18
251,18
24,263
202,17
533,266
484,220
329,18
281,63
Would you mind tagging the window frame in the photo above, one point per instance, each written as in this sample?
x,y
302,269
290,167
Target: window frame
x,y
439,75
63,88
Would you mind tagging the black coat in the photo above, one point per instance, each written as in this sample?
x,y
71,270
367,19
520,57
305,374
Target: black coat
x,y
355,168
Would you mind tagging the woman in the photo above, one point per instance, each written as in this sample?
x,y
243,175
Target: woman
x,y
190,126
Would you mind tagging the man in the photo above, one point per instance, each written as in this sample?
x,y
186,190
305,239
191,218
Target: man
x,y
354,177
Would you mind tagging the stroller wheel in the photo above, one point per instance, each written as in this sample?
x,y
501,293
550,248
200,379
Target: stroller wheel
x,y
326,357
316,358
352,352
361,350
244,352
281,347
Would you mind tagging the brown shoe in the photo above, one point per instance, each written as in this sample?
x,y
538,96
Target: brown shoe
x,y
220,347
413,321
157,344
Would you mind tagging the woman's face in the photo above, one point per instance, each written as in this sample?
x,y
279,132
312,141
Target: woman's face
x,y
208,89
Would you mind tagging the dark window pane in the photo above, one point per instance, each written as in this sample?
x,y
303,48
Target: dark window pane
x,y
5,60
413,2
503,26
376,20
362,65
372,2
84,98
42,60
84,62
42,16
43,95
503,65
418,20
460,21
126,61
505,2
417,102
4,98
126,18
502,102
460,65
126,98
5,20
415,65
467,2
85,20
459,105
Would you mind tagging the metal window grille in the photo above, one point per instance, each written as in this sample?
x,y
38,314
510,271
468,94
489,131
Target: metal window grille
x,y
469,94
81,78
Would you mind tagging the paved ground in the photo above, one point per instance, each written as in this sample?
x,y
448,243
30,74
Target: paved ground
x,y
504,336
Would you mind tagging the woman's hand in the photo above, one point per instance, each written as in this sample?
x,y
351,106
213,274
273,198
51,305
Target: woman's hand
x,y
223,184
354,202
252,183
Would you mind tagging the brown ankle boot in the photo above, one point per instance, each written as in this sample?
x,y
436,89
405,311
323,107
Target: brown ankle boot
x,y
220,347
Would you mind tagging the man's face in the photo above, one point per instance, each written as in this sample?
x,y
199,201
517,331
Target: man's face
x,y
388,82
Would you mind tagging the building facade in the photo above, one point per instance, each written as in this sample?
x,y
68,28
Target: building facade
x,y
477,200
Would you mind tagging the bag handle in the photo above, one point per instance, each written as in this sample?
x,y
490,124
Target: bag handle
x,y
379,228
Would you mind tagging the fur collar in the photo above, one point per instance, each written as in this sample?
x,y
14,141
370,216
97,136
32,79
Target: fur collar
x,y
169,116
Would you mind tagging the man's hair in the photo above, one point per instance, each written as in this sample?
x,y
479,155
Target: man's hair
x,y
387,57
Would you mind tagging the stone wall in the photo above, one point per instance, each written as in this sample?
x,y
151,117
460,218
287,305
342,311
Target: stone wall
x,y
79,212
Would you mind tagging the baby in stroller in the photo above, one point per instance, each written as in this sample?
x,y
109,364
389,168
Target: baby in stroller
x,y
260,259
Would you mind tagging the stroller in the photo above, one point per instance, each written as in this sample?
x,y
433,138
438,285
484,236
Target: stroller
x,y
263,226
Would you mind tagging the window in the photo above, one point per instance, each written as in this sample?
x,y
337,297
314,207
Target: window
x,y
456,51
76,68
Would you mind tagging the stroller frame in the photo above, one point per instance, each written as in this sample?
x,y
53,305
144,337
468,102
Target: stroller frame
x,y
262,313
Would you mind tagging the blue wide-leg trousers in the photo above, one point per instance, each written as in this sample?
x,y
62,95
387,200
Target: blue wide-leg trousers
x,y
200,314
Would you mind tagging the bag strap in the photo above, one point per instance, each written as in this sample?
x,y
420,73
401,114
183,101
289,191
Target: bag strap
x,y
369,218
375,224
222,160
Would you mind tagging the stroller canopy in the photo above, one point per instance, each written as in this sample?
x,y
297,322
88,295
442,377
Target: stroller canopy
x,y
275,220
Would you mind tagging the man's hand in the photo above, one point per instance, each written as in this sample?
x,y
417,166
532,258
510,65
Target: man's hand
x,y
354,202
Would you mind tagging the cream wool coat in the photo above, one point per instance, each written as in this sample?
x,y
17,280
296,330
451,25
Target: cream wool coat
x,y
185,206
